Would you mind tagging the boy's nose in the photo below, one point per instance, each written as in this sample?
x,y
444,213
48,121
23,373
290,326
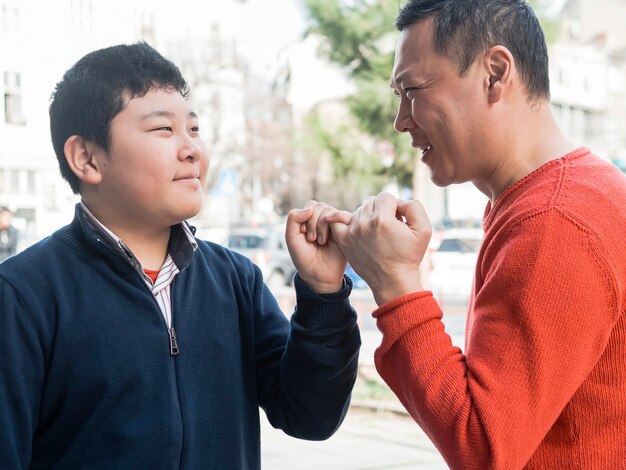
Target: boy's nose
x,y
191,150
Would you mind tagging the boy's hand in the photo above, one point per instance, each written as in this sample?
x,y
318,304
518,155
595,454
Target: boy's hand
x,y
314,252
385,242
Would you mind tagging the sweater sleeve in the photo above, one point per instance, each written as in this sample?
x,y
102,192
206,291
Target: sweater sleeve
x,y
308,392
21,379
545,307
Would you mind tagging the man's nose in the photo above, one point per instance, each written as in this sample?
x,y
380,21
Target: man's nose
x,y
404,119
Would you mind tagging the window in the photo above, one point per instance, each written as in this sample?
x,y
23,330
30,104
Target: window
x,y
31,178
591,126
9,17
13,98
246,241
463,245
14,181
145,27
81,21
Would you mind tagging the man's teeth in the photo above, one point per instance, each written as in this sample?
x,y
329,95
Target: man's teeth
x,y
427,148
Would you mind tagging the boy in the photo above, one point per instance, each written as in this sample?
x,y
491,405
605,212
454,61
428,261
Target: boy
x,y
128,343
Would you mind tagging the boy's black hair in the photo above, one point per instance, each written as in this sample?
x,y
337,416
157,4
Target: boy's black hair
x,y
97,88
465,28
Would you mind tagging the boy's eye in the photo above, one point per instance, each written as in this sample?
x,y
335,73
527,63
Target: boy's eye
x,y
195,129
164,128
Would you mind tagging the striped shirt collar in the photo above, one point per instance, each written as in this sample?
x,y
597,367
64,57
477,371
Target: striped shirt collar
x,y
181,246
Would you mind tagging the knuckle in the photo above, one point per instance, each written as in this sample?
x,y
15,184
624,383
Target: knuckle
x,y
378,222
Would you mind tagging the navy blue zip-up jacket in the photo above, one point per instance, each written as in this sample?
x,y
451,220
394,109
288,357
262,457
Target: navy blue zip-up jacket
x,y
87,379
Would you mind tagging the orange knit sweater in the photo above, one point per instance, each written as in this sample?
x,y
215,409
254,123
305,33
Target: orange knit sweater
x,y
542,383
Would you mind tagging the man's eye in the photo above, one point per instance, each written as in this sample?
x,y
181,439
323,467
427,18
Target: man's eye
x,y
164,128
195,129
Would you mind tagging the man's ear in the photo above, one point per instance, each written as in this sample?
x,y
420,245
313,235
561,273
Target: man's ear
x,y
499,64
82,160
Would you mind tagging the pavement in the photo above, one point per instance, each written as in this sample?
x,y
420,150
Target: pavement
x,y
365,441
377,432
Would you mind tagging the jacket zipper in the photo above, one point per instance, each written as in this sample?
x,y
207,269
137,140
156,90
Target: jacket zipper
x,y
173,343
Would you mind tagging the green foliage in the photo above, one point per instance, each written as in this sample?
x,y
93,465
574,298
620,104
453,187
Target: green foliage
x,y
374,108
551,27
354,161
359,35
354,30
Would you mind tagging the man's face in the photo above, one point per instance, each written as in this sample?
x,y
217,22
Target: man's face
x,y
155,170
439,110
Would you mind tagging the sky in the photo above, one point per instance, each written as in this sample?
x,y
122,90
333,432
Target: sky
x,y
265,30
264,27
272,26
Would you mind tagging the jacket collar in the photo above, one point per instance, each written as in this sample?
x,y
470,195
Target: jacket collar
x,y
181,246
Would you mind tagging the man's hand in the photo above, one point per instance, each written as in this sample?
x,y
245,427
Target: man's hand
x,y
385,241
315,254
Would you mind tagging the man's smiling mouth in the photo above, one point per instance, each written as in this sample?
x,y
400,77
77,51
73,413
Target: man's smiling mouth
x,y
425,149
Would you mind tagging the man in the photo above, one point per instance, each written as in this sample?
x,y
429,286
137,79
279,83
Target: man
x,y
129,343
542,383
8,234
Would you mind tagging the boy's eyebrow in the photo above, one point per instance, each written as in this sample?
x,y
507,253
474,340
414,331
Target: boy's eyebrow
x,y
169,114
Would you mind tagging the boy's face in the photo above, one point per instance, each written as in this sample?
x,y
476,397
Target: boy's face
x,y
155,170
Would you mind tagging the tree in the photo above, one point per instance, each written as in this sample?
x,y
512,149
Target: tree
x,y
348,163
359,35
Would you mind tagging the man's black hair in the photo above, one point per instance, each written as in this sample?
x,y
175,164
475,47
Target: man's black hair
x,y
463,29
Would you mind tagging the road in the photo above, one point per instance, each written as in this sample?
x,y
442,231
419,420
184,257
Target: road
x,y
371,437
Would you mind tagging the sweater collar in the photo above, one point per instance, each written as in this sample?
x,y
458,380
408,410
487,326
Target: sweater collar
x,y
518,188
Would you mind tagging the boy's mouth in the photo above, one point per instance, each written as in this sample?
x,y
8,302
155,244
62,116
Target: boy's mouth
x,y
187,177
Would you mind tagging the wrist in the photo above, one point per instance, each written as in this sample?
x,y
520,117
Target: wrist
x,y
388,291
324,287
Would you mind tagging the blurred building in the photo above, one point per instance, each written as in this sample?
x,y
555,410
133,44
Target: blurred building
x,y
588,75
38,42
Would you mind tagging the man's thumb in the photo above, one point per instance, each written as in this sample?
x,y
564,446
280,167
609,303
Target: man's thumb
x,y
415,216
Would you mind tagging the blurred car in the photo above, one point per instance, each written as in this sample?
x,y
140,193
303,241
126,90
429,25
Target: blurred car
x,y
266,247
452,263
357,281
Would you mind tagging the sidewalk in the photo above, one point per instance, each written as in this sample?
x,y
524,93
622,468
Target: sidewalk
x,y
365,441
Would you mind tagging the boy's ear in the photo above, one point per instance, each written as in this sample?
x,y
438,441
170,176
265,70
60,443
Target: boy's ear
x,y
82,160
499,64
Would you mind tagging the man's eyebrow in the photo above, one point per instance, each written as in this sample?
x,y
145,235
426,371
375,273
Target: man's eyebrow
x,y
398,79
169,114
